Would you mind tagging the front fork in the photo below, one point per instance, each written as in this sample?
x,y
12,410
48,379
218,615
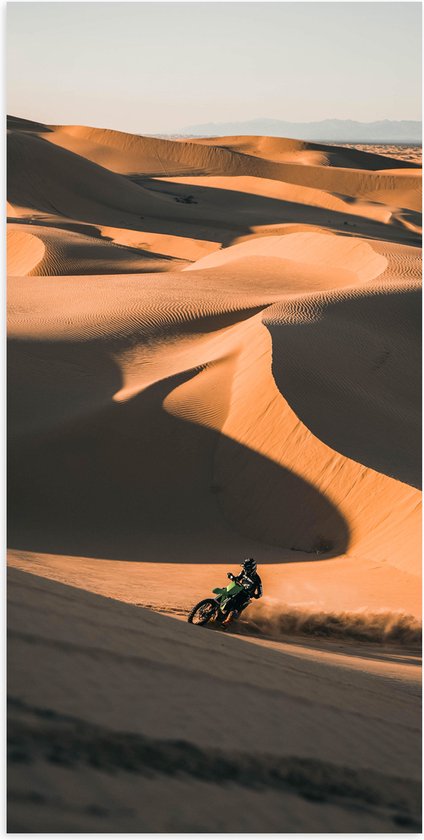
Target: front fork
x,y
221,614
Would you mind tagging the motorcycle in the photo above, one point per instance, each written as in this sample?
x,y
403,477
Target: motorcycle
x,y
217,609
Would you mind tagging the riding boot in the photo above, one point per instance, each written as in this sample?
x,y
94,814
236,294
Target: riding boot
x,y
232,615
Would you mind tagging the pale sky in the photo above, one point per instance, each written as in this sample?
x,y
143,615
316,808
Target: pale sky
x,y
158,67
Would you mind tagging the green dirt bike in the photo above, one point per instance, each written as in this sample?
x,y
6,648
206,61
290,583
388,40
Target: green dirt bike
x,y
217,609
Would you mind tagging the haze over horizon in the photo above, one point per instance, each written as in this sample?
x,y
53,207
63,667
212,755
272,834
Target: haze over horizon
x,y
158,70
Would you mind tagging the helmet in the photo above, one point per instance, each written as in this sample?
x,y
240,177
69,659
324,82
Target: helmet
x,y
249,565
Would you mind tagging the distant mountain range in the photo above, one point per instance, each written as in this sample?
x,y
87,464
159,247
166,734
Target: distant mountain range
x,y
332,131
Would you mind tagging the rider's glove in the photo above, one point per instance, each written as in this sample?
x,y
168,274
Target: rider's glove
x,y
230,575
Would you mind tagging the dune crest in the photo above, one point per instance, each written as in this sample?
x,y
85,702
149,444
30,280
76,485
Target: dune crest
x,y
25,251
352,258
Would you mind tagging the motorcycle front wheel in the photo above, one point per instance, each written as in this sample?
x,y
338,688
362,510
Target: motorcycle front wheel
x,y
203,612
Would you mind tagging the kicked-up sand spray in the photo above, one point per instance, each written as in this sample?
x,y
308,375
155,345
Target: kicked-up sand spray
x,y
383,626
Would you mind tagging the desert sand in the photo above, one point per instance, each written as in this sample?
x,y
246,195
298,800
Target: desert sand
x,y
401,151
214,352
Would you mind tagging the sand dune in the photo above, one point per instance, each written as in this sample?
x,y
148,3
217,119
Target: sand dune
x,y
400,151
260,157
25,251
283,150
294,738
285,341
59,251
127,380
213,353
70,185
229,194
337,392
338,260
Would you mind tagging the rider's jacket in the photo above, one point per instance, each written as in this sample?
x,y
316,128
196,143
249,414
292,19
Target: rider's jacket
x,y
252,584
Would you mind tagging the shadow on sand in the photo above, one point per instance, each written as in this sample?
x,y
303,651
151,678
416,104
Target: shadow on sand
x,y
129,481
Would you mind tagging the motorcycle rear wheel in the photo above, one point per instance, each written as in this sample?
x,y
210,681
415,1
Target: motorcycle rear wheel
x,y
203,612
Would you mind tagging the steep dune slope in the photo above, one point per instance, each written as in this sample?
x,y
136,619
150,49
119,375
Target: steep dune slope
x,y
284,150
101,739
45,178
133,154
357,401
25,251
206,432
335,261
128,153
59,251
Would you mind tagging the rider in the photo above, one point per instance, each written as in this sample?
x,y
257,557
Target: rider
x,y
252,588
